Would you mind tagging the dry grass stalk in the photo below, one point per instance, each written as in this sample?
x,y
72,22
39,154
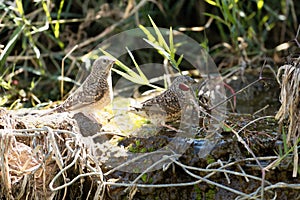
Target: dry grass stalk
x,y
31,158
288,77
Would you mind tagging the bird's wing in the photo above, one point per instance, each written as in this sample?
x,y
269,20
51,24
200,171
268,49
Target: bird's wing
x,y
88,93
166,102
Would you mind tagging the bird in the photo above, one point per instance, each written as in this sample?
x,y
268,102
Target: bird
x,y
165,107
94,93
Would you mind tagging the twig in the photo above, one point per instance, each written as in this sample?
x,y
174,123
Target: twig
x,y
112,27
63,70
164,158
133,160
233,95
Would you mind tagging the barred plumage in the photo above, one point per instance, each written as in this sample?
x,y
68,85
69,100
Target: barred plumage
x,y
166,106
94,93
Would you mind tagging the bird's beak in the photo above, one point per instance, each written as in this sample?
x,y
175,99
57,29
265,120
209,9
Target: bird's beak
x,y
111,65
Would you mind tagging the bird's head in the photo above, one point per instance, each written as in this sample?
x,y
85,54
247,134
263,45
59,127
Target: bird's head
x,y
103,64
186,80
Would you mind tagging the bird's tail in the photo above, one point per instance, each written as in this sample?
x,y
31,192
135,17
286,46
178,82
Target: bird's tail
x,y
58,109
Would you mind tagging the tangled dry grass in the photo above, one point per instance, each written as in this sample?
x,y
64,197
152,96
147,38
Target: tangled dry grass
x,y
289,76
49,158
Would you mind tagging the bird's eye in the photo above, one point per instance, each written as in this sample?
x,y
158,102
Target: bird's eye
x,y
104,61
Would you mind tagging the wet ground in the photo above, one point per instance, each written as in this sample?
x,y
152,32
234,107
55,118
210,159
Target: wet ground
x,y
262,95
261,136
264,143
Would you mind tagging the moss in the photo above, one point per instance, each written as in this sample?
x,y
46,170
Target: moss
x,y
210,159
198,192
210,194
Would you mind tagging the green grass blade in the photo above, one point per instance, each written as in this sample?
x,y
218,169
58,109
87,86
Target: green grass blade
x,y
142,75
117,62
10,45
161,39
260,4
47,13
211,2
3,100
56,27
164,54
130,78
147,33
179,60
20,9
159,48
130,74
32,44
217,18
171,42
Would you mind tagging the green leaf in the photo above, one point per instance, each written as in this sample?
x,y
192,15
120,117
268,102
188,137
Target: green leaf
x,y
142,75
171,42
20,7
147,33
161,39
159,48
10,45
128,77
47,12
179,60
56,40
3,100
217,18
211,2
144,178
164,54
56,27
130,74
4,84
227,128
119,63
35,49
260,4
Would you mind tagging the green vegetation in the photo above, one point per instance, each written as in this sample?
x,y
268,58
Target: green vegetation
x,y
43,45
36,36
